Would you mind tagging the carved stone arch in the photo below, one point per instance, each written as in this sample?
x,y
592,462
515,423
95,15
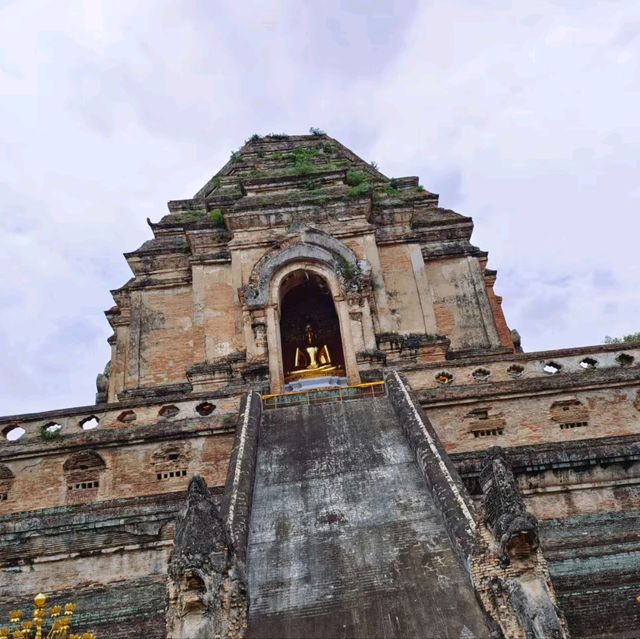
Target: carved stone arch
x,y
171,460
569,411
327,273
310,246
85,460
6,481
82,474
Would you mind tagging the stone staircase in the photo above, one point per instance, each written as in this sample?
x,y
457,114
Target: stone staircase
x,y
346,539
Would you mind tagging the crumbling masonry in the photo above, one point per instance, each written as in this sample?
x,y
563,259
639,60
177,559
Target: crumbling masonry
x,y
316,422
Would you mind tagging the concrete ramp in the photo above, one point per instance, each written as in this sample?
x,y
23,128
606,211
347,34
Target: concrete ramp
x,y
345,538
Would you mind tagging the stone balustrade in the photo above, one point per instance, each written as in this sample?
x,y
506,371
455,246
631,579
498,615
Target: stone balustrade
x,y
525,366
53,425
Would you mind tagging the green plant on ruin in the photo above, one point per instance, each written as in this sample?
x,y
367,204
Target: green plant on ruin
x,y
302,168
216,217
278,136
216,182
235,156
49,432
373,165
312,184
355,178
358,191
188,216
303,160
631,337
358,182
254,138
390,190
327,148
348,270
315,131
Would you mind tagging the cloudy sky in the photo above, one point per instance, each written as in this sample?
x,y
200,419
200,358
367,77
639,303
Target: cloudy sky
x,y
522,114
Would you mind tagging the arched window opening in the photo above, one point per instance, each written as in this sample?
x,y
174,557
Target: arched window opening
x,y
569,414
6,481
13,432
89,423
312,353
205,408
171,462
82,473
127,416
168,411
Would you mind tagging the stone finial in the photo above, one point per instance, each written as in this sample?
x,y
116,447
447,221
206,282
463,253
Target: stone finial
x,y
102,385
517,340
206,593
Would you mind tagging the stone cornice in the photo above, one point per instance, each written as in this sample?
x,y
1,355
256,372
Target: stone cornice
x,y
556,456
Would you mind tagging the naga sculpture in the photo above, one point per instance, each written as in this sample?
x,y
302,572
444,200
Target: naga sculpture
x,y
206,591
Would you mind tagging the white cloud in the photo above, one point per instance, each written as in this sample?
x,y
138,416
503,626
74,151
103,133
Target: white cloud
x,y
522,115
536,114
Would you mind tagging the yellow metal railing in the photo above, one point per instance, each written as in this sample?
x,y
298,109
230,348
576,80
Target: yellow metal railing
x,y
321,395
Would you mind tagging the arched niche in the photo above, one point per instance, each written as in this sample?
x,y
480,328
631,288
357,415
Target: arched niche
x,y
83,472
83,461
308,316
6,481
283,282
310,246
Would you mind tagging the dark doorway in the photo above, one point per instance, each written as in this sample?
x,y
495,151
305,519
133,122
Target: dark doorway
x,y
308,319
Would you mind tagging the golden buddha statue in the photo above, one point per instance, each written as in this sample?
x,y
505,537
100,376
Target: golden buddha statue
x,y
312,359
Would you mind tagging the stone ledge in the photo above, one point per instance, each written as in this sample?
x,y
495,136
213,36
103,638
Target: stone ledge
x,y
110,437
537,458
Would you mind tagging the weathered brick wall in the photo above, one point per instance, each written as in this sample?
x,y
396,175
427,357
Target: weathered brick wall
x,y
509,373
41,482
461,307
519,421
163,341
573,493
217,329
586,496
594,561
150,455
495,302
110,558
402,291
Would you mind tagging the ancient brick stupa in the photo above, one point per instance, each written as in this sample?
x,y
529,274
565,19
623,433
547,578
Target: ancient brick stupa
x,y
315,422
